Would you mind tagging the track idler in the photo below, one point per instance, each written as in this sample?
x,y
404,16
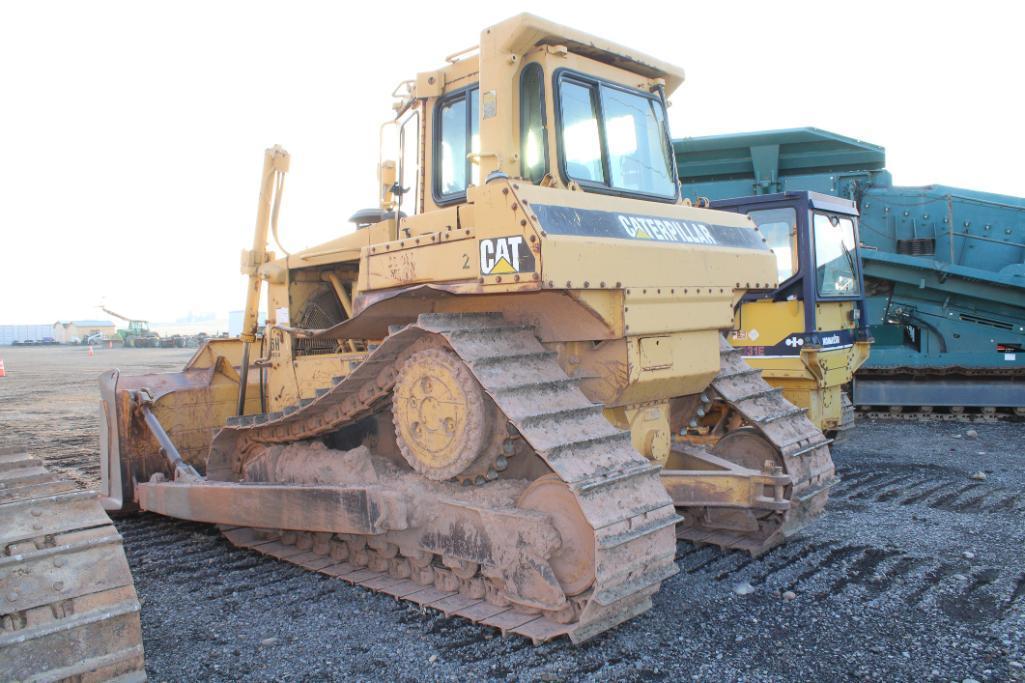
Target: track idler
x,y
766,473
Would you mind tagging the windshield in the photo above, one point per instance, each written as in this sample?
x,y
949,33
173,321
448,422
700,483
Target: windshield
x,y
615,138
779,228
836,264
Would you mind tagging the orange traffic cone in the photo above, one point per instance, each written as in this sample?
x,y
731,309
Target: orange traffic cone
x,y
3,373
90,350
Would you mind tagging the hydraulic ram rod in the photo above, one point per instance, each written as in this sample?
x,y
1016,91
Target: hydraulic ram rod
x,y
182,469
275,165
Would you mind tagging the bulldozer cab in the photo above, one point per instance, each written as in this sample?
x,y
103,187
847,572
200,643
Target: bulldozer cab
x,y
538,102
809,334
815,240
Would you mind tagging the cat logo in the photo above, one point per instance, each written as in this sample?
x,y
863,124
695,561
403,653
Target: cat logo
x,y
503,255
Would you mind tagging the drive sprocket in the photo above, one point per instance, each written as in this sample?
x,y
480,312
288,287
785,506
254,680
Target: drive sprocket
x,y
445,424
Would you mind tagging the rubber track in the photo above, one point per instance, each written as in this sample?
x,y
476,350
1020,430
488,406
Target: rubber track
x,y
618,490
68,608
804,450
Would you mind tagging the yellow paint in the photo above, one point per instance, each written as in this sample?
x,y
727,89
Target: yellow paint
x,y
636,320
502,267
814,379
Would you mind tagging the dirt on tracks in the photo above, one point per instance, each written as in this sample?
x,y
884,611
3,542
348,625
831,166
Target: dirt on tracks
x,y
916,572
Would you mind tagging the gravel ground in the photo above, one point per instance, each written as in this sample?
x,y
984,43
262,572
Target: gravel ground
x,y
915,573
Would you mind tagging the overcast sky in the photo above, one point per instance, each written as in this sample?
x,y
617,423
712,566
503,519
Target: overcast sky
x,y
132,133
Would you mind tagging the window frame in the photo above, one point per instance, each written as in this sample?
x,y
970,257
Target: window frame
x,y
595,84
797,246
855,253
416,187
535,66
464,93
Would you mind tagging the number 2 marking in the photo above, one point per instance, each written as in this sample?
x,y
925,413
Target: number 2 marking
x,y
466,262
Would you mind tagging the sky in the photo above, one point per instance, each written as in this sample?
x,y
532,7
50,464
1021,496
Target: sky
x,y
133,132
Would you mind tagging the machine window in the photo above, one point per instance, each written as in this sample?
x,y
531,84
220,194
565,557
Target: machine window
x,y
836,268
409,169
581,142
779,228
533,137
458,136
637,142
474,161
615,137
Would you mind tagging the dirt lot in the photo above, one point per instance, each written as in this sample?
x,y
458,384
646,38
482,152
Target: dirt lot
x,y
917,572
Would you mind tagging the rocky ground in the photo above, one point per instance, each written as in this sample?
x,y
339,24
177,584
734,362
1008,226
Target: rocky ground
x,y
916,573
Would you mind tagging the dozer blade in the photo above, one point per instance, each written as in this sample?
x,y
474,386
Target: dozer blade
x,y
68,608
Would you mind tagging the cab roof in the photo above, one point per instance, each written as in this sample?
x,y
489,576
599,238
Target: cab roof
x,y
523,32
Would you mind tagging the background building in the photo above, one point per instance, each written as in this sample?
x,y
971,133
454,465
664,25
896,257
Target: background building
x,y
20,333
76,330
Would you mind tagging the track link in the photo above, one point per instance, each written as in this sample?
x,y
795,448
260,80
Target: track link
x,y
803,449
617,490
68,608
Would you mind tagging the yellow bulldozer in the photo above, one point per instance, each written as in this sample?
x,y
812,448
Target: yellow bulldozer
x,y
809,336
507,392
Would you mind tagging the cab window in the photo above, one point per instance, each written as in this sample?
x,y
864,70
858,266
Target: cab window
x,y
614,139
409,163
581,141
533,133
779,228
836,269
457,139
